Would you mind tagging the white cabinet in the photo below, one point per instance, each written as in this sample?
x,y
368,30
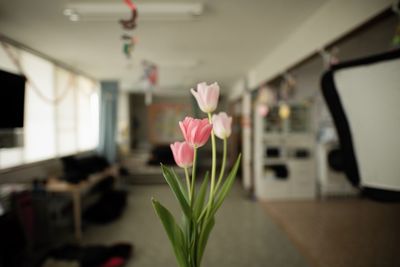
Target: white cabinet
x,y
284,157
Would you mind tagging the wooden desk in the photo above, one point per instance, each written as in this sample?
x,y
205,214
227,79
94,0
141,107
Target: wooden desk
x,y
76,191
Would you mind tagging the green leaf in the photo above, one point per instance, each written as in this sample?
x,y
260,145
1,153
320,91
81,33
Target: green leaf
x,y
203,239
193,240
173,183
174,233
181,186
199,201
187,230
226,187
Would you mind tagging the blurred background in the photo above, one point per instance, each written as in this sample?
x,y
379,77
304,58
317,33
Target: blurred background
x,y
91,93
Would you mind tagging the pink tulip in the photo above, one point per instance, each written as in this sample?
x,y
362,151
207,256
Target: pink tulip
x,y
183,154
206,96
222,125
195,131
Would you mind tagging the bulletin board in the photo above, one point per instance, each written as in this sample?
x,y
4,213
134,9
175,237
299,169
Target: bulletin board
x,y
164,122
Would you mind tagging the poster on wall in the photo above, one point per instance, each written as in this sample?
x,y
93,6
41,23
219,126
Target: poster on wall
x,y
163,118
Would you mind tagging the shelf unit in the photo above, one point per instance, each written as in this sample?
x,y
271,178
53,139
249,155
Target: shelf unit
x,y
284,155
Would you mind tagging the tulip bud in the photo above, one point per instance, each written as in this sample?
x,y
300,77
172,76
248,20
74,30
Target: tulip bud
x,y
206,96
183,154
222,125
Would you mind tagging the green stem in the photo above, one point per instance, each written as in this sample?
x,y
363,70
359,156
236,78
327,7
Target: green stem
x,y
202,215
222,172
213,168
188,182
192,227
193,176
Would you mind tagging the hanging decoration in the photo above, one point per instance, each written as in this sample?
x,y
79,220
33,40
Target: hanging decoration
x,y
329,58
130,24
150,74
287,86
265,99
150,79
150,70
128,45
286,91
129,40
396,37
284,111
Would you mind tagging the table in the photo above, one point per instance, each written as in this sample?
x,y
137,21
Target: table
x,y
55,185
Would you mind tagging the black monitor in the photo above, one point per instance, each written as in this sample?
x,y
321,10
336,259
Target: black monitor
x,y
12,100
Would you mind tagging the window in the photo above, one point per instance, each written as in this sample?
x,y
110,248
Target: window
x,y
66,113
61,110
88,114
39,118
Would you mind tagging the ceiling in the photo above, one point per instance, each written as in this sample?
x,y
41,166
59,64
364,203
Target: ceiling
x,y
221,45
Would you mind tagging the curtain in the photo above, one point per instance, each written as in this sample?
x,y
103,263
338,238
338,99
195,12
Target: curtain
x,y
108,120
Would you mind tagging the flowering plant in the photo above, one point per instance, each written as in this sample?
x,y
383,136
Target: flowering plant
x,y
199,207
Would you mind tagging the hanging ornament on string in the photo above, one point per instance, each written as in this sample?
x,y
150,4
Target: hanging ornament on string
x,y
288,86
150,79
286,91
130,24
265,99
127,49
150,73
284,111
129,43
329,58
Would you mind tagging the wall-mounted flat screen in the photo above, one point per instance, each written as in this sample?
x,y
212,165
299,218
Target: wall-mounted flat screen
x,y
12,99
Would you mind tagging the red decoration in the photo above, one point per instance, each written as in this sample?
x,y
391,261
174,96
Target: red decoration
x,y
130,4
150,72
130,24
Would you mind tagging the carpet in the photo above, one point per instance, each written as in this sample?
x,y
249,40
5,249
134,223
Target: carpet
x,y
342,232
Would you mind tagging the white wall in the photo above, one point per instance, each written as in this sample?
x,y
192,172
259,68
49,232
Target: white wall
x,y
372,39
237,90
332,21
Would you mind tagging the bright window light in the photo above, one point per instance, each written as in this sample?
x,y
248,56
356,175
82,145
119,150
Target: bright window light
x,y
53,129
39,137
66,113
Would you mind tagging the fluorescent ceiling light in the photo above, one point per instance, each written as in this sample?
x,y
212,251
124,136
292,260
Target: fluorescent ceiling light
x,y
87,11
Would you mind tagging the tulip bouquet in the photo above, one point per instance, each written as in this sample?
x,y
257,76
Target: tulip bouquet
x,y
189,238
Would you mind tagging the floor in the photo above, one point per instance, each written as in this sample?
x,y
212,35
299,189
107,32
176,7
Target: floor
x,y
350,232
244,234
